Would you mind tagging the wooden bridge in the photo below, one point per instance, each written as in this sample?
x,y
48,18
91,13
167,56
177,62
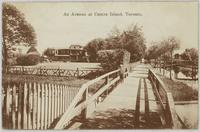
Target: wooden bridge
x,y
140,100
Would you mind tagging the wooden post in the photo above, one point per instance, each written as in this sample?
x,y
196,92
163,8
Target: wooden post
x,y
107,81
53,100
25,106
59,71
45,106
29,106
20,100
56,102
49,105
13,106
60,100
38,106
5,105
84,112
77,72
42,107
63,99
34,104
40,70
9,106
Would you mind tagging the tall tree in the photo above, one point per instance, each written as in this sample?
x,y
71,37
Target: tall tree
x,y
16,31
93,47
133,41
173,44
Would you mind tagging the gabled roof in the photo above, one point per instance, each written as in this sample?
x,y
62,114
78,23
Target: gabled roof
x,y
32,50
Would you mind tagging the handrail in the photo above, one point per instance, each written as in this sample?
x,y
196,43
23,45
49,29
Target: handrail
x,y
170,119
83,93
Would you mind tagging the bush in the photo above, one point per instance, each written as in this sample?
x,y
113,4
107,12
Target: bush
x,y
110,59
21,60
27,60
33,59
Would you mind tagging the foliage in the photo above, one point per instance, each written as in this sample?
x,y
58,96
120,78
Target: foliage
x,y
16,30
176,69
131,39
50,52
21,60
110,59
93,47
163,49
30,59
190,54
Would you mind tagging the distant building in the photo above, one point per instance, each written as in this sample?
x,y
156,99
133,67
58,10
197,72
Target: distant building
x,y
76,47
75,53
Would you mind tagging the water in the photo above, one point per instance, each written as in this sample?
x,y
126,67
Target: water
x,y
189,114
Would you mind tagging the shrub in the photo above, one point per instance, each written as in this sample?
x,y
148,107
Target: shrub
x,y
27,60
33,59
110,59
21,60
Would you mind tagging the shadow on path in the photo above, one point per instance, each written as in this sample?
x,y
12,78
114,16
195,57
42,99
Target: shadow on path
x,y
120,119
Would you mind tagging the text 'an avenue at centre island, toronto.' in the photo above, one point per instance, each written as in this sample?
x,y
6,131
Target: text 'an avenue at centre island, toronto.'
x,y
102,14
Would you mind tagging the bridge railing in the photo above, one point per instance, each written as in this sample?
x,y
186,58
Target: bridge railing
x,y
88,94
169,117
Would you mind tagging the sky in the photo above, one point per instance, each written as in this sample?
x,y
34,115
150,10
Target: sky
x,y
159,20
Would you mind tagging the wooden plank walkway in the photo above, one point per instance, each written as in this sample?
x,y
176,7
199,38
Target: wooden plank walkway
x,y
130,105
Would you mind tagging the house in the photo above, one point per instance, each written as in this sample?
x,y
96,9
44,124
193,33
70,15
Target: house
x,y
32,50
76,46
75,53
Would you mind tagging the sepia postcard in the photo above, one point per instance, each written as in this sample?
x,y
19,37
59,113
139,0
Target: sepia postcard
x,y
91,65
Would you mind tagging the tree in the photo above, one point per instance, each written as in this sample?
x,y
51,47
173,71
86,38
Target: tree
x,y
110,59
190,54
172,44
93,47
16,31
131,40
50,52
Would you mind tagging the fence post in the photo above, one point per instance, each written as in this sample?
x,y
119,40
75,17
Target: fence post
x,y
49,105
13,106
38,105
25,106
40,70
84,111
42,106
58,71
34,91
22,70
52,102
77,72
20,88
107,81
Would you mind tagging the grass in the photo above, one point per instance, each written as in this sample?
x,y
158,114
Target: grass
x,y
69,65
180,91
69,81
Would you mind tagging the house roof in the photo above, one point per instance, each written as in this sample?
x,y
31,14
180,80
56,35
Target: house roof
x,y
32,50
